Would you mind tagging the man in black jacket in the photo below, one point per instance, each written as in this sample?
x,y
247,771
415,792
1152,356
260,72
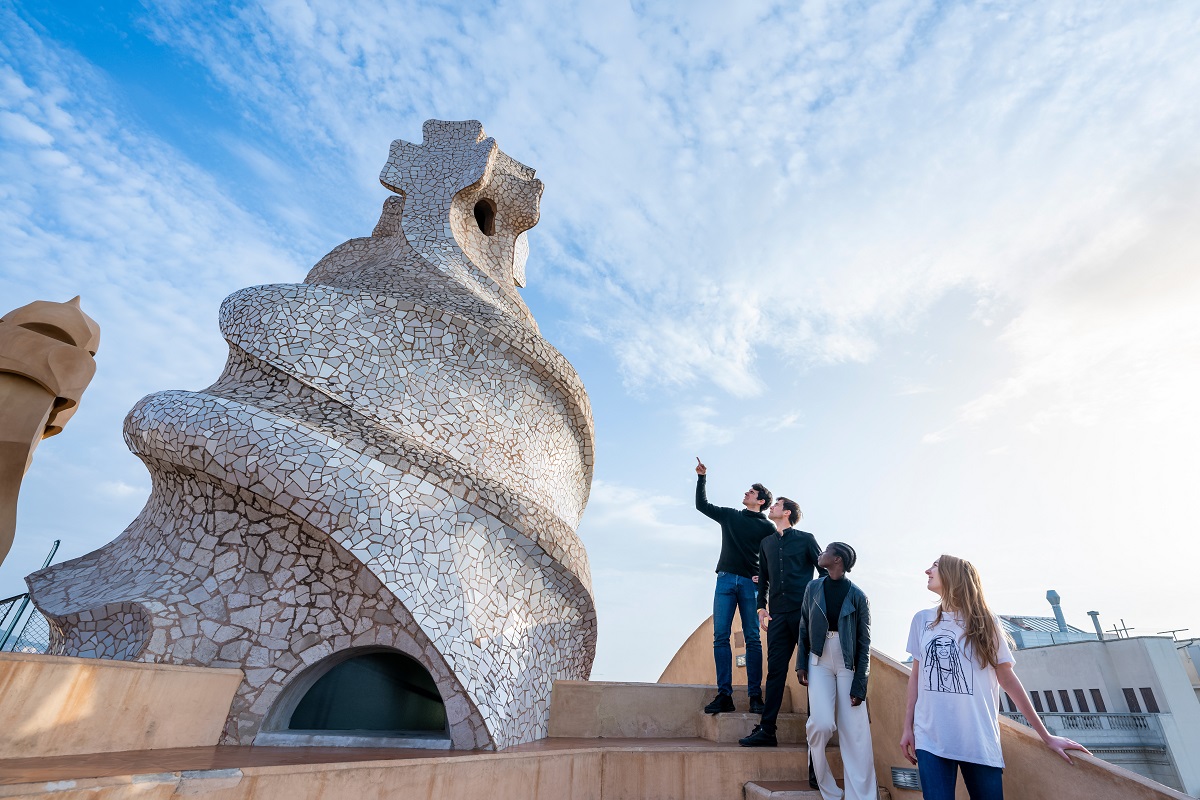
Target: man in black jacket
x,y
786,564
737,570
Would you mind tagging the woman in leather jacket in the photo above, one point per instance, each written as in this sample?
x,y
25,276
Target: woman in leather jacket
x,y
834,661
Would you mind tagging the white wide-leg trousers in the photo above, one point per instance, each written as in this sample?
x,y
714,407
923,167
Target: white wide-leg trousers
x,y
829,709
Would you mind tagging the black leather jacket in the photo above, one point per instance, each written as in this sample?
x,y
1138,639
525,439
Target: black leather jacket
x,y
854,632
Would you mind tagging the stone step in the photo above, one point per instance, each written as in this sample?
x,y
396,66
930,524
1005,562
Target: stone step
x,y
779,790
591,709
789,790
789,728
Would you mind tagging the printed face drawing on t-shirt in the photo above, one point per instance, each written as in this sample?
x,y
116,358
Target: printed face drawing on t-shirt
x,y
943,667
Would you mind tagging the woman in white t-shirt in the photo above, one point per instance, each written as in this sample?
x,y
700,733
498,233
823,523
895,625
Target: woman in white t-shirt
x,y
961,660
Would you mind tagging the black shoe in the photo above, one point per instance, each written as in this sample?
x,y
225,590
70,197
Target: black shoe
x,y
760,737
757,706
722,703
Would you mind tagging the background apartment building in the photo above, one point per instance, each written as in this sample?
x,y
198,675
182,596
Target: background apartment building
x,y
1132,700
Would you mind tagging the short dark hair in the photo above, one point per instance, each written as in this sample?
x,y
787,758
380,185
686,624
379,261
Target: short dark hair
x,y
793,509
846,553
764,496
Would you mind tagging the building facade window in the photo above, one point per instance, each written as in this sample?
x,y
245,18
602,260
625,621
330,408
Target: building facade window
x,y
1098,701
1050,702
1131,701
1081,700
1065,696
1037,701
1148,697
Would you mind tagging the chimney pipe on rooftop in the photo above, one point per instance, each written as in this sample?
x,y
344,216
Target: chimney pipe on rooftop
x,y
1052,596
1095,615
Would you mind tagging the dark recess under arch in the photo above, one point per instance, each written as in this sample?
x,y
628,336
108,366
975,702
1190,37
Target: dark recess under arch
x,y
378,692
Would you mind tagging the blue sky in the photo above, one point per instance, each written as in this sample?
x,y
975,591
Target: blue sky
x,y
928,268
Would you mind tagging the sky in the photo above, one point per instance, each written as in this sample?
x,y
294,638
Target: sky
x,y
928,268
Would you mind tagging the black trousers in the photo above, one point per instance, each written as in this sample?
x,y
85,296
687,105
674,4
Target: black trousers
x,y
783,633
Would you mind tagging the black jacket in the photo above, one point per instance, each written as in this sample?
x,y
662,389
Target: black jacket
x,y
786,563
854,632
741,532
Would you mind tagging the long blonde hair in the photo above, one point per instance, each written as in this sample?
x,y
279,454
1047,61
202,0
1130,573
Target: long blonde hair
x,y
962,592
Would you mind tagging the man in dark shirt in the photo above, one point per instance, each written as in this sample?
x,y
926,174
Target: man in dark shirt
x,y
742,530
785,566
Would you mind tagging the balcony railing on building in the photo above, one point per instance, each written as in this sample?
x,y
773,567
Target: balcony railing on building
x,y
1104,730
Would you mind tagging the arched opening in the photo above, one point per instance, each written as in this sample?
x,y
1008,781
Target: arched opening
x,y
378,693
485,216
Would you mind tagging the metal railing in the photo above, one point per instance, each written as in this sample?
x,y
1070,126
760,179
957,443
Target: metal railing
x,y
1103,730
23,629
34,632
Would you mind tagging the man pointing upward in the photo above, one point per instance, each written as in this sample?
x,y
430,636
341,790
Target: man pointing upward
x,y
742,531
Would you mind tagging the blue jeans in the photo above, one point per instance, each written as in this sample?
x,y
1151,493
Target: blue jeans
x,y
939,775
736,593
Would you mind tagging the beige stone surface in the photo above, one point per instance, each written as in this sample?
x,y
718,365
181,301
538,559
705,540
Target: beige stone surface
x,y
47,355
393,458
693,663
52,705
621,771
640,710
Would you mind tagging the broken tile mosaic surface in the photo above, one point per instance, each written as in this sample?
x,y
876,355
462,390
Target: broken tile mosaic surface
x,y
393,457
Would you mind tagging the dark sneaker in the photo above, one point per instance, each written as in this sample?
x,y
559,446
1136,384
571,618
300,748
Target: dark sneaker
x,y
760,737
721,704
757,706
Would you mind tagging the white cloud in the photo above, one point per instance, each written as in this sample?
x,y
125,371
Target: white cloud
x,y
699,429
631,511
803,179
99,208
122,490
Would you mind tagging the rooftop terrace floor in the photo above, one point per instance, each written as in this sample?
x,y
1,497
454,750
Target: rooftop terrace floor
x,y
187,759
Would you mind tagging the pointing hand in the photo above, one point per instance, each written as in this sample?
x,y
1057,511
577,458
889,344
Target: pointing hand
x,y
700,468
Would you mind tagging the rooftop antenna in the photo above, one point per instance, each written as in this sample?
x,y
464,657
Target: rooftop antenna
x,y
1174,638
1124,629
1095,615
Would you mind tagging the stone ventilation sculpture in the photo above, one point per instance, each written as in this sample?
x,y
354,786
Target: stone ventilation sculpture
x,y
393,459
47,359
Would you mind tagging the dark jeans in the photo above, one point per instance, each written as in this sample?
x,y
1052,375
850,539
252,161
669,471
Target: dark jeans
x,y
783,632
735,592
939,775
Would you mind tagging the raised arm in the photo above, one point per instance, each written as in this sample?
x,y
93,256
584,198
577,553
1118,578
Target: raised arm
x,y
1011,684
702,505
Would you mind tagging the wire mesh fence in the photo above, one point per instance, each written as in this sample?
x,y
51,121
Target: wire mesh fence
x,y
23,629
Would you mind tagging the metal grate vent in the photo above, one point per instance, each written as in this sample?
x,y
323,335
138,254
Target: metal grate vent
x,y
906,778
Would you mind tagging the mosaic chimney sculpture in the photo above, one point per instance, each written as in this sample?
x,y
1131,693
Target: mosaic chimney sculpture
x,y
392,458
47,359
